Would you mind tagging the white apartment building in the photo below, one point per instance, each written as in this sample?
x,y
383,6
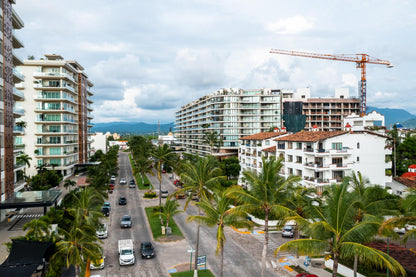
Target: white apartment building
x,y
254,147
58,114
360,123
99,142
232,113
325,157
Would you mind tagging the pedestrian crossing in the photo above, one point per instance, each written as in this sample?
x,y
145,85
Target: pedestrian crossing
x,y
27,215
273,245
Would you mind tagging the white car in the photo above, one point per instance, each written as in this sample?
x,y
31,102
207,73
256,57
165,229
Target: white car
x,y
123,181
102,231
400,231
288,231
99,264
409,227
113,178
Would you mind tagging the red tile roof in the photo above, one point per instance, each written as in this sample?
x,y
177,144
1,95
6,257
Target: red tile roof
x,y
409,174
310,136
412,166
270,149
401,254
409,182
263,135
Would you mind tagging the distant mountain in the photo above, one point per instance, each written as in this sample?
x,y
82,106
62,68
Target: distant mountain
x,y
393,116
139,128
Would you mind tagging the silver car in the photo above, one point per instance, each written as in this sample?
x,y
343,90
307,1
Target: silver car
x,y
125,221
102,231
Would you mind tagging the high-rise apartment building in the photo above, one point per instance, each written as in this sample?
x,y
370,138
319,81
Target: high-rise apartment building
x,y
232,113
10,108
328,113
58,113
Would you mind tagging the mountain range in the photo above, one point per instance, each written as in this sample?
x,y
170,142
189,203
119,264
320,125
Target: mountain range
x,y
392,116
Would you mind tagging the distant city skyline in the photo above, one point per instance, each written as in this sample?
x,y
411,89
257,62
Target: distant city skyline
x,y
147,59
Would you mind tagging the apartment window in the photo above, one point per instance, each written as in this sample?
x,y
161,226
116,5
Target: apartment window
x,y
290,158
358,159
50,94
289,145
290,171
40,162
54,128
55,140
51,117
299,145
55,151
358,145
54,84
55,162
337,161
299,173
267,142
337,145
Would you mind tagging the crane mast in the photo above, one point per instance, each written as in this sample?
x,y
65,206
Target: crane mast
x,y
359,59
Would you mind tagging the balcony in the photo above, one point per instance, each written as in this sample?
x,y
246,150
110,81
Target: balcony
x,y
18,130
17,76
17,22
18,112
16,59
18,95
17,42
18,147
59,87
55,99
53,75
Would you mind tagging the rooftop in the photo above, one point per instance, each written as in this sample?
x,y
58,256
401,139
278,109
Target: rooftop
x,y
311,136
263,135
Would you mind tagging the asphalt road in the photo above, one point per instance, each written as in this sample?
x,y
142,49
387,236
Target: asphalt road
x,y
139,231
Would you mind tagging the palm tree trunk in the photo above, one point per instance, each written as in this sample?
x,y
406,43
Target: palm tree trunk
x,y
160,191
197,242
355,264
266,243
335,267
222,261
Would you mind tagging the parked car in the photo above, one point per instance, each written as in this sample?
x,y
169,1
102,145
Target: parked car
x,y
102,231
409,227
112,178
123,181
400,230
122,200
105,211
163,171
98,264
164,193
108,205
288,231
147,250
125,221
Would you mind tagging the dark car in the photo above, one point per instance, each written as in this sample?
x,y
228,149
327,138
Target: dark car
x,y
122,200
147,250
106,211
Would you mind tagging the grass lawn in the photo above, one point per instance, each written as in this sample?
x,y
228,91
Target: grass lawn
x,y
156,228
138,178
201,273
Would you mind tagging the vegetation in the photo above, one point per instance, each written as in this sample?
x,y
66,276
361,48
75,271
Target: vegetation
x,y
157,227
201,273
169,209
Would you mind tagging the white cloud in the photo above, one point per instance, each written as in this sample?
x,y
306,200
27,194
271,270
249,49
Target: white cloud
x,y
104,47
350,80
291,25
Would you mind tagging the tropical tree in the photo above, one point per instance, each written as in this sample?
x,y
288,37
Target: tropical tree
x,y
267,194
212,139
69,183
143,166
25,159
79,246
161,155
170,209
219,213
37,229
85,205
199,178
336,230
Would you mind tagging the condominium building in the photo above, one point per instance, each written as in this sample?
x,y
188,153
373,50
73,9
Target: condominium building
x,y
326,114
322,158
10,99
232,113
58,113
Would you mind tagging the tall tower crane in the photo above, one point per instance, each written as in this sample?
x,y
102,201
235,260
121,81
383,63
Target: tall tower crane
x,y
360,60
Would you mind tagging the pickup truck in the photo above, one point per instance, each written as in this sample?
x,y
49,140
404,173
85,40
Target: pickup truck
x,y
126,252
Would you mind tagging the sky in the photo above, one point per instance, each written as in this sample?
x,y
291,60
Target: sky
x,y
147,59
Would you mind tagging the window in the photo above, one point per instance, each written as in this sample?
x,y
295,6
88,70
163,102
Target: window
x,y
267,142
55,151
337,145
290,158
298,145
358,145
298,159
358,159
337,161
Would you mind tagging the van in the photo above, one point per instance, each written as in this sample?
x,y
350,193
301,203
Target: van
x,y
126,252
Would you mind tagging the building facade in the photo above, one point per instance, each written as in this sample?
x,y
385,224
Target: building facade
x,y
322,158
58,114
232,113
10,102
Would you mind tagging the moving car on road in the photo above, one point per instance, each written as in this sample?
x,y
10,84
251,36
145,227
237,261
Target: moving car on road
x,y
98,264
123,181
147,250
164,193
132,183
122,200
126,252
108,205
125,221
288,231
105,211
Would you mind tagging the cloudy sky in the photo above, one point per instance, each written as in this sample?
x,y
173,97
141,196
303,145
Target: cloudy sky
x,y
149,58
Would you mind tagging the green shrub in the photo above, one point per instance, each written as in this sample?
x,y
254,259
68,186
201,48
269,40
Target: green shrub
x,y
149,195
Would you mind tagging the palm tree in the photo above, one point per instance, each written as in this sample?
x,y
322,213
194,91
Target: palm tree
x,y
212,139
161,154
199,178
69,183
86,204
79,246
170,208
337,231
219,213
37,229
268,192
24,158
143,166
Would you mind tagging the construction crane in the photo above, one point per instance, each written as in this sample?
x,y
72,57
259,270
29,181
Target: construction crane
x,y
359,59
